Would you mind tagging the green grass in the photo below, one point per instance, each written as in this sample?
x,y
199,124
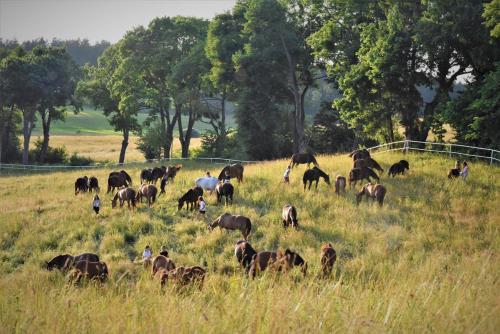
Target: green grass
x,y
427,261
93,122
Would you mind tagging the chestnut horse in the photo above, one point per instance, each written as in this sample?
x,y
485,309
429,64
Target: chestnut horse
x,y
126,194
149,191
235,171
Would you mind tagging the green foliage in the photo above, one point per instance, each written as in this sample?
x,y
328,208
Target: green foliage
x,y
77,160
151,141
492,16
54,155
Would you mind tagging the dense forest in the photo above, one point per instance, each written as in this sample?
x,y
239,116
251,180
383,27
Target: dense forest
x,y
380,70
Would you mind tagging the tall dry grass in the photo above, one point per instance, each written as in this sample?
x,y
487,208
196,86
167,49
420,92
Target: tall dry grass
x,y
427,261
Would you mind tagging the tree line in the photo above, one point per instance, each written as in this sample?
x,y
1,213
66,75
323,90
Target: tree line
x,y
396,66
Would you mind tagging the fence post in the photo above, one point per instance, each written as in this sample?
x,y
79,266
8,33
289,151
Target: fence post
x,y
491,157
449,152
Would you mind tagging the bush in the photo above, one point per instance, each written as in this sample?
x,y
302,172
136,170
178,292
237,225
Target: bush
x,y
150,141
54,155
78,160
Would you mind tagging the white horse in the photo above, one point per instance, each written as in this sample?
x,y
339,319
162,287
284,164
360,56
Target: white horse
x,y
207,183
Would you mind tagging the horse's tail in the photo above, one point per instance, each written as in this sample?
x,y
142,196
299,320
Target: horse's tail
x,y
381,195
248,228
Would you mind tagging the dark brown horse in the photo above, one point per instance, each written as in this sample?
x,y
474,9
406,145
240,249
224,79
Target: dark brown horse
x,y
124,195
158,173
373,191
94,184
81,185
147,175
224,190
340,183
244,253
184,275
116,181
66,261
277,261
190,198
149,191
328,258
399,168
314,174
235,171
161,262
367,162
359,154
124,174
303,158
90,270
171,172
357,174
289,216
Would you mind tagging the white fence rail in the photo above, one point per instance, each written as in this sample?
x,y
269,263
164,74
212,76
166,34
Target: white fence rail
x,y
403,145
445,148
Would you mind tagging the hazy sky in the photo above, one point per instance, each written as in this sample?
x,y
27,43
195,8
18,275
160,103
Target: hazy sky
x,y
93,19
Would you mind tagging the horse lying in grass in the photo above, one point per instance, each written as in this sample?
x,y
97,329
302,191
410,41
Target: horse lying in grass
x,y
289,216
231,222
190,198
148,191
328,258
373,191
314,174
124,195
277,261
303,158
66,261
244,253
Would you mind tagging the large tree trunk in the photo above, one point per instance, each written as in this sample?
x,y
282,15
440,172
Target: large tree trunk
x,y
28,124
46,134
185,138
124,146
221,140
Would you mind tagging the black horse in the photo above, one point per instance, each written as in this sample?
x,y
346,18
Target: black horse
x,y
399,168
158,173
190,198
226,190
358,174
124,174
303,158
147,175
359,154
81,184
94,184
244,253
314,174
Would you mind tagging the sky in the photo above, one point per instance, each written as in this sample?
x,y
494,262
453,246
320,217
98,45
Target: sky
x,y
95,20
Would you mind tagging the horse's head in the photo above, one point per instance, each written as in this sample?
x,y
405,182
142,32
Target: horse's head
x,y
113,201
359,195
181,203
327,179
213,224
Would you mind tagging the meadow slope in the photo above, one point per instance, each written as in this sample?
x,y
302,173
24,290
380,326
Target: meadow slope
x,y
427,261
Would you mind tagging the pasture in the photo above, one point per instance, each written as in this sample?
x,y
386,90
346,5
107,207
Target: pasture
x,y
427,261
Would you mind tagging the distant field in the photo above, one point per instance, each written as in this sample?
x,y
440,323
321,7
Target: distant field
x,y
93,122
106,147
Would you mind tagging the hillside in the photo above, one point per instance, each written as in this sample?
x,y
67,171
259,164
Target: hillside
x,y
427,261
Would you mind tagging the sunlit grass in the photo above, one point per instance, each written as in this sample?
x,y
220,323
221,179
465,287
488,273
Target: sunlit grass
x,y
427,261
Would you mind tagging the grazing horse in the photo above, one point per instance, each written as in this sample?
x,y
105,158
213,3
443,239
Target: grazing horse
x,y
367,162
66,261
90,270
314,174
146,176
226,190
94,184
161,262
207,183
124,174
116,181
126,194
171,172
357,174
454,173
158,173
235,171
359,154
190,198
374,191
149,191
289,216
231,222
340,183
244,253
303,158
277,261
184,275
163,184
328,258
399,168
81,185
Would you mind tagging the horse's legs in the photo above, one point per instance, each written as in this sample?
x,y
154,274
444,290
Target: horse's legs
x,y
317,183
310,184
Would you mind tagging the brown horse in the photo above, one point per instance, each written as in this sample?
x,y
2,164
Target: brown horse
x,y
90,270
149,191
367,162
303,158
277,261
224,190
162,262
235,171
171,172
81,185
359,154
314,174
399,168
289,216
94,184
231,222
190,198
244,253
340,183
124,174
328,258
126,194
373,191
158,173
358,174
66,261
184,275
116,181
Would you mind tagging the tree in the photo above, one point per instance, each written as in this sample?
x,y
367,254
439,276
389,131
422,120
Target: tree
x,y
110,86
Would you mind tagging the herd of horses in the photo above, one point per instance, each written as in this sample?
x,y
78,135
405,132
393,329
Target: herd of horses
x,y
253,262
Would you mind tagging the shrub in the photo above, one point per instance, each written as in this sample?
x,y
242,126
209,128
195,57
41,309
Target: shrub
x,y
78,160
54,155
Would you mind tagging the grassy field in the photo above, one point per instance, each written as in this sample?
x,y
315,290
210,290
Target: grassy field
x,y
427,261
93,122
106,147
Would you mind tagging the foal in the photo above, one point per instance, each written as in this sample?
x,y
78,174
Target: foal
x,y
375,191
